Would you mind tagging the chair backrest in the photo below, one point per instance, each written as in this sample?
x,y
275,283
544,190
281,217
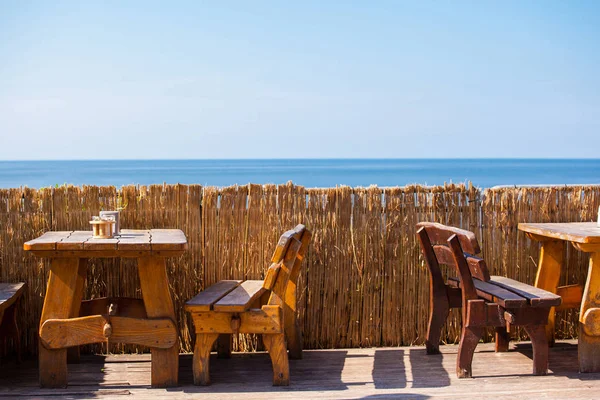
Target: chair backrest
x,y
454,247
286,262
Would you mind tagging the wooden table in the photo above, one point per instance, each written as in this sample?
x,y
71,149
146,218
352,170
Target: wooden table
x,y
584,236
68,322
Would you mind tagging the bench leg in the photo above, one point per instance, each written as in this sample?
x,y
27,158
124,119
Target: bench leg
x,y
224,345
276,346
13,330
468,342
439,310
502,339
204,343
9,328
293,336
539,342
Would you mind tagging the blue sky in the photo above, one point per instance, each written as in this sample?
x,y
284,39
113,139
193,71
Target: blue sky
x,y
278,79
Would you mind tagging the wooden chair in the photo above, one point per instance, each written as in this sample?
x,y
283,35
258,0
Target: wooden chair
x,y
262,307
486,301
9,294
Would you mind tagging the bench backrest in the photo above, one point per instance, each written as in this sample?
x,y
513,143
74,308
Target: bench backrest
x,y
286,262
454,247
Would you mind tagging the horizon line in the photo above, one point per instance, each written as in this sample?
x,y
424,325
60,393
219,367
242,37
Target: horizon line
x,y
307,158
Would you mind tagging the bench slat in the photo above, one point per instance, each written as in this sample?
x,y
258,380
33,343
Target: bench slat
x,y
9,293
205,299
494,293
537,297
241,298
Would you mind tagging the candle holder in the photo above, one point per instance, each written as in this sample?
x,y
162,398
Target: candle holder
x,y
102,228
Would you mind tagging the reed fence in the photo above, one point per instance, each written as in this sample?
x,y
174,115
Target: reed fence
x,y
364,282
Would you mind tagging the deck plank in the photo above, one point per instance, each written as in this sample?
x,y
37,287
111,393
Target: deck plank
x,y
400,372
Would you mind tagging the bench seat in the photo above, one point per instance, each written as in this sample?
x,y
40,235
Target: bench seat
x,y
227,296
510,293
204,300
9,294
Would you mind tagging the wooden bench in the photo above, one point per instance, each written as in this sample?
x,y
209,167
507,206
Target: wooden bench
x,y
486,301
261,307
9,294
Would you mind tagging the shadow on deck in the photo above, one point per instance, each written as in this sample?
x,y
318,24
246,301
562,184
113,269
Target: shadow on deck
x,y
405,372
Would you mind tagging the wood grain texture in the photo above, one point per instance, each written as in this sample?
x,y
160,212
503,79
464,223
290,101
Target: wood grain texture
x,y
571,296
130,240
62,333
168,239
477,265
277,348
439,306
74,241
539,342
588,348
494,293
268,319
578,232
591,291
204,300
106,253
502,339
440,234
60,295
10,293
468,342
591,321
73,352
589,339
293,333
157,298
548,276
271,276
47,241
366,373
68,332
536,297
241,298
201,364
160,333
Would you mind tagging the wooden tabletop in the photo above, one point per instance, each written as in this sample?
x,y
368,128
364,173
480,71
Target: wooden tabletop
x,y
128,240
578,232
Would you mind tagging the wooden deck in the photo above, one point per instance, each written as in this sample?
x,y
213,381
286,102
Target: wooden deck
x,y
377,373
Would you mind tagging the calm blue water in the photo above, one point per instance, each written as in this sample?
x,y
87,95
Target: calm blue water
x,y
308,172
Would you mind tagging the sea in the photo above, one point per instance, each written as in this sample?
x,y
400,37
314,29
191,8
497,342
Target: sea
x,y
483,173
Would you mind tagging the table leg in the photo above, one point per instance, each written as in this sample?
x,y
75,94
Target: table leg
x,y
61,293
157,298
589,342
548,275
73,352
